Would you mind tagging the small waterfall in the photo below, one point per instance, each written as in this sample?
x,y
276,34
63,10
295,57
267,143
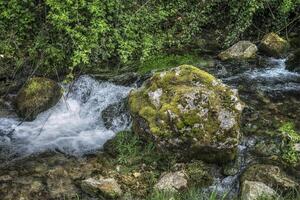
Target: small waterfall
x,y
74,126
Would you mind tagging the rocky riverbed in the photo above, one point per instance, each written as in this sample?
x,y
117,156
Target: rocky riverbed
x,y
75,150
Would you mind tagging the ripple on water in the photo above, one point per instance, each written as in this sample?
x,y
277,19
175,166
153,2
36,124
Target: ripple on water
x,y
74,126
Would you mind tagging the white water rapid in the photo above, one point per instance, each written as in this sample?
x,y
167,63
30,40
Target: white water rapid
x,y
74,126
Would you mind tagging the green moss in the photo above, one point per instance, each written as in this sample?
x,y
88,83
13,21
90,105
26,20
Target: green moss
x,y
37,95
289,138
199,174
168,61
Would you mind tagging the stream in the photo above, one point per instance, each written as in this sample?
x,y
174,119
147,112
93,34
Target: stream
x,y
74,126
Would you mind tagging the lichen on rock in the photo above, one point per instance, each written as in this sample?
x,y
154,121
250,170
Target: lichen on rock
x,y
188,109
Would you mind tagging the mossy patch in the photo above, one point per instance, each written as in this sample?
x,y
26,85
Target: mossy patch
x,y
164,62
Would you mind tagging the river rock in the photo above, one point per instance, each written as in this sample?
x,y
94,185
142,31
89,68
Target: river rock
x,y
106,187
271,175
273,45
173,181
252,190
240,50
293,62
36,96
116,112
189,111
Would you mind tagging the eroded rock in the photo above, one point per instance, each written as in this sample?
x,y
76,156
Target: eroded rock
x,y
188,110
240,50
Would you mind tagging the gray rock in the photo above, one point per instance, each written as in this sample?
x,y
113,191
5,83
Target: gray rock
x,y
173,181
106,187
252,190
240,50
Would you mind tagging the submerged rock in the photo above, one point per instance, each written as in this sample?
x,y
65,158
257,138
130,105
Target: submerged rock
x,y
36,96
252,190
173,181
188,111
240,50
273,45
116,112
272,176
106,187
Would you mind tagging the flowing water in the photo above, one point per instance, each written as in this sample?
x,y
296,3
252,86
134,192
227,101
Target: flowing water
x,y
74,126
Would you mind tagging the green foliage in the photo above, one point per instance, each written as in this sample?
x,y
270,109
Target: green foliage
x,y
289,138
191,194
51,35
131,151
163,62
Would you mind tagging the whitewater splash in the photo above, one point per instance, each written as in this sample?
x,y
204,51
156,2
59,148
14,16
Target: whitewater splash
x,y
274,77
74,126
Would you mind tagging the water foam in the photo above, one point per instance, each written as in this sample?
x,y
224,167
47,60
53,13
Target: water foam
x,y
74,126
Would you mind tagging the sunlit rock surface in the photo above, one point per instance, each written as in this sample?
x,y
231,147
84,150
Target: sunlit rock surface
x,y
240,50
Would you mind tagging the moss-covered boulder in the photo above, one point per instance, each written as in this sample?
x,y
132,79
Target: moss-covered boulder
x,y
36,96
189,111
241,50
273,45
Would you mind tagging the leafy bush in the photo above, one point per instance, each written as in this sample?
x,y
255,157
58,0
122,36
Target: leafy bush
x,y
47,36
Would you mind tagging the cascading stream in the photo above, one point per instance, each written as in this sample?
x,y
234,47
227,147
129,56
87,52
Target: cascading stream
x,y
74,126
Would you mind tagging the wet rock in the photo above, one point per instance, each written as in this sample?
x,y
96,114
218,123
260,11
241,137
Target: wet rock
x,y
188,111
273,45
240,50
173,181
252,190
271,175
106,187
115,113
36,96
293,62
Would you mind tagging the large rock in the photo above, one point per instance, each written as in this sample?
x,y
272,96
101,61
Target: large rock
x,y
106,187
36,96
272,176
240,50
189,111
173,181
252,190
273,45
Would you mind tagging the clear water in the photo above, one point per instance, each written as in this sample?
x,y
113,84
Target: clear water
x,y
74,126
